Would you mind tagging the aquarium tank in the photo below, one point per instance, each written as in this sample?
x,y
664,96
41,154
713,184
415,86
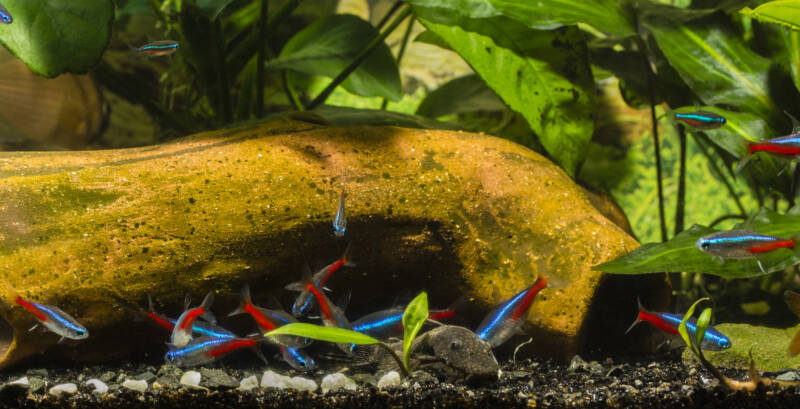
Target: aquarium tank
x,y
399,203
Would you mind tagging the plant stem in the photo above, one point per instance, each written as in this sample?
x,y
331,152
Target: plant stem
x,y
258,109
721,219
656,145
290,93
397,359
320,99
720,175
388,15
249,46
400,53
680,206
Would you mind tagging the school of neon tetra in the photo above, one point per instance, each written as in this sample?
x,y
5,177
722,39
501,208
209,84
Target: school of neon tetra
x,y
196,339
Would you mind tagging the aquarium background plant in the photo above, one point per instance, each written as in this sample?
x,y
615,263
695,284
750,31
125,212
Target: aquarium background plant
x,y
587,83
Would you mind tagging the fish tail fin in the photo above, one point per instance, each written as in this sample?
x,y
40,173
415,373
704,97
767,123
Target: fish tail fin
x,y
638,315
459,304
206,306
744,160
245,300
303,284
346,261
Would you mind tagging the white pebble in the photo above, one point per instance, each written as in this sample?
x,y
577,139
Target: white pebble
x,y
274,380
248,383
337,381
390,380
20,381
301,384
191,379
68,388
134,385
100,388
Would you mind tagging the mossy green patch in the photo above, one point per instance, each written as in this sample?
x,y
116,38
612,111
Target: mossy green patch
x,y
769,346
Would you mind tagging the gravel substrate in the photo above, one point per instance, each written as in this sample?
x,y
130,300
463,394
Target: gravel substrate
x,y
662,382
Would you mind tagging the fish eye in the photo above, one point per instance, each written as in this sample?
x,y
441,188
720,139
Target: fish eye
x,y
455,344
705,245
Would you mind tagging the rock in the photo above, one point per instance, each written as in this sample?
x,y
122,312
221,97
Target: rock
x,y
271,379
336,381
64,388
36,384
577,364
420,377
40,372
100,388
769,346
166,381
790,376
191,379
169,369
217,378
16,387
390,380
145,376
107,376
301,384
249,383
134,385
484,210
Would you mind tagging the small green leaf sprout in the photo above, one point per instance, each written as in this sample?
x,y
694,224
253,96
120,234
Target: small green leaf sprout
x,y
414,317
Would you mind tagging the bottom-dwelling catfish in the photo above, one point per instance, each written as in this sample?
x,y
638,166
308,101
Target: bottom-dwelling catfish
x,y
52,318
669,323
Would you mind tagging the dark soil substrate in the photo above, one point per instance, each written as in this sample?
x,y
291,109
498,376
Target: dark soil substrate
x,y
661,383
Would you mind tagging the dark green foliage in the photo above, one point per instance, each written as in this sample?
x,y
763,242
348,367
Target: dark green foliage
x,y
57,36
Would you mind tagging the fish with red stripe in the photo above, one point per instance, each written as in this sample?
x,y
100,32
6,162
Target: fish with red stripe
x,y
743,244
388,323
199,328
305,301
54,319
203,350
713,340
331,315
784,146
182,333
506,318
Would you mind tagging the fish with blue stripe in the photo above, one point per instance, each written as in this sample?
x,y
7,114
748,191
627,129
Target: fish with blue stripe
x,y
5,16
305,301
158,48
703,120
743,244
713,340
55,320
340,219
199,328
203,350
785,146
505,319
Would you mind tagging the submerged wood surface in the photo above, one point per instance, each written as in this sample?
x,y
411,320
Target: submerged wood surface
x,y
95,232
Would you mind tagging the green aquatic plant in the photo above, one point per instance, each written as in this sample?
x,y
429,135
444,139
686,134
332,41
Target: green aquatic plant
x,y
414,317
335,335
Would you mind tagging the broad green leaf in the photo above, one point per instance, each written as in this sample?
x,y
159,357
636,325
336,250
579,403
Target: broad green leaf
x,y
211,8
415,315
717,65
318,332
682,327
791,40
702,325
56,36
465,94
543,75
429,37
782,12
604,15
681,254
329,45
